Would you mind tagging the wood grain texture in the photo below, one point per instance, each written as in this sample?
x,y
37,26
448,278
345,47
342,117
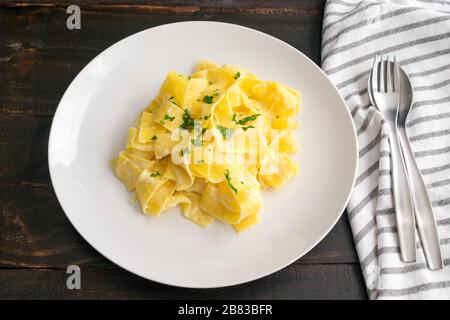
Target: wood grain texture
x,y
178,5
39,57
296,282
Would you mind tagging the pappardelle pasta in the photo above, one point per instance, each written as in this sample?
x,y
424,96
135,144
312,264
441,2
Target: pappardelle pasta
x,y
210,142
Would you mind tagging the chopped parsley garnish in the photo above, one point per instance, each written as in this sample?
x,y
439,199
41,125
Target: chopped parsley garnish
x,y
154,137
248,127
155,174
237,75
207,117
204,130
197,142
208,99
184,151
246,119
171,99
225,132
227,176
167,117
189,78
188,122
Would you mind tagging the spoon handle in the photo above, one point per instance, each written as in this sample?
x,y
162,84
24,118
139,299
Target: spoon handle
x,y
423,210
404,212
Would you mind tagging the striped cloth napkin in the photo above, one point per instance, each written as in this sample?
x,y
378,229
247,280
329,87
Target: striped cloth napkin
x,y
418,33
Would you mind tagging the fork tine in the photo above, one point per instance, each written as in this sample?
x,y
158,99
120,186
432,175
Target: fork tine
x,y
396,82
375,76
389,75
382,80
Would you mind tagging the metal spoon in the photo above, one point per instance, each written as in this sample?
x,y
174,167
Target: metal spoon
x,y
423,211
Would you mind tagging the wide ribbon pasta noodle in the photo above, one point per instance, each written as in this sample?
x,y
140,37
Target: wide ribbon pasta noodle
x,y
210,142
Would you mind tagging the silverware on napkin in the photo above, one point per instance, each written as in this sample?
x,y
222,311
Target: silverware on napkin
x,y
385,89
423,211
422,206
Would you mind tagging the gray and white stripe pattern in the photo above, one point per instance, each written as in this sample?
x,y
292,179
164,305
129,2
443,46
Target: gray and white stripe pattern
x,y
418,33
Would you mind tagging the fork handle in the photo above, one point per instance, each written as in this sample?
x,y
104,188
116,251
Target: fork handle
x,y
426,223
402,199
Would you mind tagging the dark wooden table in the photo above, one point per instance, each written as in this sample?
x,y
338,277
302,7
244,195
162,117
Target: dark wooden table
x,y
39,57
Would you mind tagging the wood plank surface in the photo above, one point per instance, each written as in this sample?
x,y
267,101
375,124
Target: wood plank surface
x,y
339,281
315,6
39,56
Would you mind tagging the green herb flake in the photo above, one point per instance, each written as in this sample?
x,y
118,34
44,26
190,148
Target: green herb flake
x,y
207,117
155,174
246,119
161,122
197,142
154,137
184,151
225,132
189,77
242,182
204,130
167,117
227,176
171,99
208,99
246,128
188,122
237,75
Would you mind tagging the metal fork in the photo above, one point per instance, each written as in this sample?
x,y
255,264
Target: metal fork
x,y
386,93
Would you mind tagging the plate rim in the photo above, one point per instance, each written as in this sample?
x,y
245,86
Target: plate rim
x,y
230,283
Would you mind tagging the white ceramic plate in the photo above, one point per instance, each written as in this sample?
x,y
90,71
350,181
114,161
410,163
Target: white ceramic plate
x,y
91,125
